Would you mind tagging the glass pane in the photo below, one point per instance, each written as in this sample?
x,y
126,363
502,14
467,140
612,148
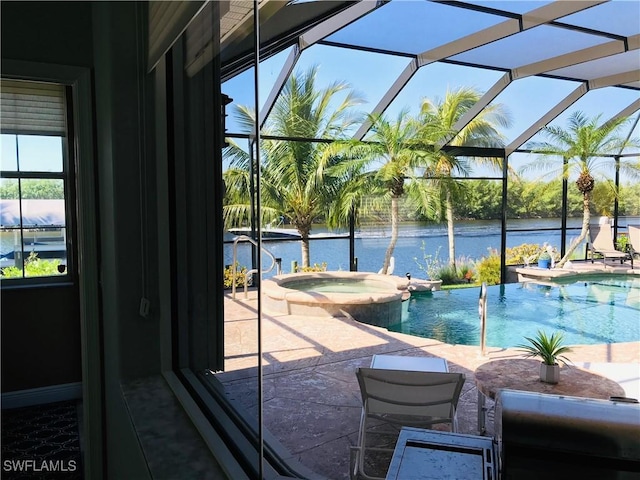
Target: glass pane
x,y
42,188
413,27
619,17
8,159
41,243
42,212
45,251
40,153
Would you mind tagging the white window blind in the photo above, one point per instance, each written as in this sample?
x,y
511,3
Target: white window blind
x,y
32,108
167,21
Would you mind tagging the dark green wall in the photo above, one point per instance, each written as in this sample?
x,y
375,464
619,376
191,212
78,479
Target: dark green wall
x,y
40,338
49,32
107,38
41,326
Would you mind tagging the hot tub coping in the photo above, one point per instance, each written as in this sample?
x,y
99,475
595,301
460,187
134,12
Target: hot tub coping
x,y
275,287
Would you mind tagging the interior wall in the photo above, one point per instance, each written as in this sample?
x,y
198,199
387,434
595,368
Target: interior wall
x,y
41,326
106,37
40,339
126,198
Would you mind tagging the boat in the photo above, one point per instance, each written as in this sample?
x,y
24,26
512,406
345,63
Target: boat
x,y
268,232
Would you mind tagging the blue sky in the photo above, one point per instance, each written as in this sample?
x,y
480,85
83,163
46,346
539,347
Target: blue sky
x,y
37,153
371,74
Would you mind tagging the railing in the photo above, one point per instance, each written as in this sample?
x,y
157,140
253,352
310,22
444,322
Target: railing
x,y
249,274
482,312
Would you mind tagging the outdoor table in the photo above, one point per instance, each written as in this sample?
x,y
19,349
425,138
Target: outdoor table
x,y
412,364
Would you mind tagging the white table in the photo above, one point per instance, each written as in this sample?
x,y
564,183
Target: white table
x,y
412,364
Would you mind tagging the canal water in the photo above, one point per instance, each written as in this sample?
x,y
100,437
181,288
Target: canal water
x,y
473,239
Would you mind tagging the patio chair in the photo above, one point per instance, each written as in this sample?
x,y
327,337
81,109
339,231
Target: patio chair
x,y
392,266
633,231
601,242
392,399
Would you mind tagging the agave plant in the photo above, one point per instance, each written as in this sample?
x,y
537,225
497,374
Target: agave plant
x,y
548,348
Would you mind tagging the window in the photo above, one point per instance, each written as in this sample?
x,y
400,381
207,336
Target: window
x,y
34,183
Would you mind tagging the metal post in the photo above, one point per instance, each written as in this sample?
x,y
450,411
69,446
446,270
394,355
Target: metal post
x,y
565,208
482,312
353,266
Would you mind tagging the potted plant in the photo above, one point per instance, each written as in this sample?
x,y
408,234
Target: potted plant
x,y
550,350
544,260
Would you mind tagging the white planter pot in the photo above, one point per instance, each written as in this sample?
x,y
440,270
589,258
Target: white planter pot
x,y
549,373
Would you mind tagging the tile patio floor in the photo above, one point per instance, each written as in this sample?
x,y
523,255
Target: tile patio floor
x,y
311,396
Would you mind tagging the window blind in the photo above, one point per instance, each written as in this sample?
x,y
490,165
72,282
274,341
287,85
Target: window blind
x,y
32,108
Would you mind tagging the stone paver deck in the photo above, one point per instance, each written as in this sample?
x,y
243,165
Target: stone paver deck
x,y
311,396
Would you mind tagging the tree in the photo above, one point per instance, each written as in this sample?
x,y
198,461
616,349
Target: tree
x,y
294,184
440,117
585,146
391,155
33,188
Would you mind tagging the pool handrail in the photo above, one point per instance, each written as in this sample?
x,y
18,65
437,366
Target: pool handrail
x,y
482,312
249,274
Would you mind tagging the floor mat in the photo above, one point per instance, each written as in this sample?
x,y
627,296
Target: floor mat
x,y
41,442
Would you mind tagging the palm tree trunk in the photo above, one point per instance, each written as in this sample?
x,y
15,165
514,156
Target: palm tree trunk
x,y
450,234
586,218
394,234
304,246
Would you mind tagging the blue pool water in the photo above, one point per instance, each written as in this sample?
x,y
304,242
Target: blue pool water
x,y
597,310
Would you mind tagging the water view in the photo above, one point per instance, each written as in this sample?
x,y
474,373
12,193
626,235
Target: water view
x,y
473,239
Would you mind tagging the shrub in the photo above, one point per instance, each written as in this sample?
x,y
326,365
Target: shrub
x,y
238,274
431,264
315,268
466,269
447,274
518,255
34,267
489,268
622,243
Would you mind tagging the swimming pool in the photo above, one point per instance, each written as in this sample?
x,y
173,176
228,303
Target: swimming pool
x,y
590,311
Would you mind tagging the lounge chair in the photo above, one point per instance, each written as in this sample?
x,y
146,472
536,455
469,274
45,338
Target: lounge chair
x,y
633,231
392,265
601,243
392,399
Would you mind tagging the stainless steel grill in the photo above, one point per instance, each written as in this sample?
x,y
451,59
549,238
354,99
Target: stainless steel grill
x,y
552,437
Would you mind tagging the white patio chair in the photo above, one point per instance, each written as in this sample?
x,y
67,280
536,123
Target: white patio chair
x,y
634,238
601,242
392,266
397,398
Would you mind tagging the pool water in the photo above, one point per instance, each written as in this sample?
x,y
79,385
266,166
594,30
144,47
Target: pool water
x,y
597,310
335,285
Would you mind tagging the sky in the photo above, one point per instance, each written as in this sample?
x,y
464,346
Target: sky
x,y
37,153
371,74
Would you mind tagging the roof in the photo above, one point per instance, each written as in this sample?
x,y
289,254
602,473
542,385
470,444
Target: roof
x,y
585,45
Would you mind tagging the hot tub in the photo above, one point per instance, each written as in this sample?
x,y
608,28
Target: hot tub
x,y
367,297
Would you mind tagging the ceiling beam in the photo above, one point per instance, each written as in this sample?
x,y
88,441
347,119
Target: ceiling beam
x,y
338,21
569,59
285,72
539,16
547,118
388,97
616,79
487,98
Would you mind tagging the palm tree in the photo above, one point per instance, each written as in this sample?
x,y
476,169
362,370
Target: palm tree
x,y
441,116
390,156
582,146
294,184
